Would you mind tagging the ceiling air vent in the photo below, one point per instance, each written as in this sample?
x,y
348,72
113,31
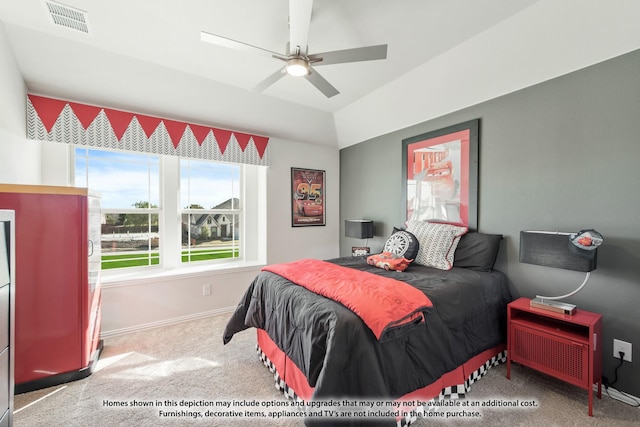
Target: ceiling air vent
x,y
68,17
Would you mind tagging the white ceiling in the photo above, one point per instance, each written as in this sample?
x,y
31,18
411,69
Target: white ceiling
x,y
146,56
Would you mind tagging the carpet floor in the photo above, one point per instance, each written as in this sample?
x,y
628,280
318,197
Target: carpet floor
x,y
146,378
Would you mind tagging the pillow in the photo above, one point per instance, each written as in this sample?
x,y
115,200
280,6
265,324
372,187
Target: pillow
x,y
438,242
402,243
477,251
389,261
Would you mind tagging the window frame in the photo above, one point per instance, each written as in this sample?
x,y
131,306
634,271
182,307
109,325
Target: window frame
x,y
235,211
252,248
128,210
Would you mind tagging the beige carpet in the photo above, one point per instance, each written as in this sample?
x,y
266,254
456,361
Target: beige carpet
x,y
187,362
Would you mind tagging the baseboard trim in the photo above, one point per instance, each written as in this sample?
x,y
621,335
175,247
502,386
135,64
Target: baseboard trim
x,y
166,322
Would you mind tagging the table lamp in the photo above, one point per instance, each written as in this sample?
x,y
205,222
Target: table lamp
x,y
359,229
569,251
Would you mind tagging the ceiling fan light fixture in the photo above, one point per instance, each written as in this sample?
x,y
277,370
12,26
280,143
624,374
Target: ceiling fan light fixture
x,y
297,67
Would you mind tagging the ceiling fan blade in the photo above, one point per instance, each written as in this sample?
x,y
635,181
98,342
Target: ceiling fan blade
x,y
269,81
367,53
299,23
321,84
236,45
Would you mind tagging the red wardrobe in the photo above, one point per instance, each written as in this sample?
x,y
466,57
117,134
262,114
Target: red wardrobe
x,y
57,297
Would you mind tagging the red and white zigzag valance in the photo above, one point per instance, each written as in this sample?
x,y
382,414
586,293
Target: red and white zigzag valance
x,y
68,122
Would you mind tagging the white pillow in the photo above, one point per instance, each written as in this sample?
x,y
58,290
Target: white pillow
x,y
438,243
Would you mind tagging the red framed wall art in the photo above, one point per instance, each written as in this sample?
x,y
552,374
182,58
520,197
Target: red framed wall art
x,y
440,175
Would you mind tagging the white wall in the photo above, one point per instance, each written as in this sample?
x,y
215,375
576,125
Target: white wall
x,y
14,146
154,301
286,243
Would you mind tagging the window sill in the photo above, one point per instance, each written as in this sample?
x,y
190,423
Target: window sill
x,y
147,275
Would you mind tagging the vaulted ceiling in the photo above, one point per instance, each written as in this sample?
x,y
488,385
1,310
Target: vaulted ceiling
x,y
147,56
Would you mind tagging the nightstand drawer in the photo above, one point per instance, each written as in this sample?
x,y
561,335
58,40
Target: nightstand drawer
x,y
565,359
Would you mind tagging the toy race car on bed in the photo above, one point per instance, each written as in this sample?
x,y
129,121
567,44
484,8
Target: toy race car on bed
x,y
389,261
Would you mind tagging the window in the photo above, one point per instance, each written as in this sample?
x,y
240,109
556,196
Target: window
x,y
170,212
210,210
129,186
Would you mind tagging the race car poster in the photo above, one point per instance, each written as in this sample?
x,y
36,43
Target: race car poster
x,y
440,170
307,197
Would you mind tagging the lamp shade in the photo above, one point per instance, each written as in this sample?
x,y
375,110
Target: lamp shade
x,y
553,249
358,228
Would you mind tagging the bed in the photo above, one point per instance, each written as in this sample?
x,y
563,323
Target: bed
x,y
328,351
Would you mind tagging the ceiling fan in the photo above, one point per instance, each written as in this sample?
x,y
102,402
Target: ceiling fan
x,y
298,61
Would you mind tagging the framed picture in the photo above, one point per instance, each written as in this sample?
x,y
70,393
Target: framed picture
x,y
307,197
440,175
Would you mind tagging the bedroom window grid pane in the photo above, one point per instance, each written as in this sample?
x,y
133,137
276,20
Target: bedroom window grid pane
x,y
211,210
129,185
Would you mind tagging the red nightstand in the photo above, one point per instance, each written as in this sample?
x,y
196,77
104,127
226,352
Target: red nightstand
x,y
567,347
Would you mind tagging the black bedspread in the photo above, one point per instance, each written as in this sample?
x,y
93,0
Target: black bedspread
x,y
342,358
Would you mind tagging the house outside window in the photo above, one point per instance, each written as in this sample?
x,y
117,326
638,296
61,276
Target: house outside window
x,y
211,214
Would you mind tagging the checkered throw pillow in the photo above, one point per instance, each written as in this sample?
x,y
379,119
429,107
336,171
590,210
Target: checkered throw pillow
x,y
438,243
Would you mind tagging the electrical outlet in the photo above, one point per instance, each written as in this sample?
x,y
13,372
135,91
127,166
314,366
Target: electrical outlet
x,y
622,346
206,290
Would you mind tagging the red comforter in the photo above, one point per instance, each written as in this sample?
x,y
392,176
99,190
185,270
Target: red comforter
x,y
381,302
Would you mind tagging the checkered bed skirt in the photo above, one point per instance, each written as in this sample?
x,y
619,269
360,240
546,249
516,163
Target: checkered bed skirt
x,y
452,392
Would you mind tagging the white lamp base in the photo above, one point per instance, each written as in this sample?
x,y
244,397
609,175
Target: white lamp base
x,y
555,306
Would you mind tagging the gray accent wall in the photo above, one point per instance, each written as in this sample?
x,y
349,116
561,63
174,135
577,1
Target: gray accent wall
x,y
563,155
